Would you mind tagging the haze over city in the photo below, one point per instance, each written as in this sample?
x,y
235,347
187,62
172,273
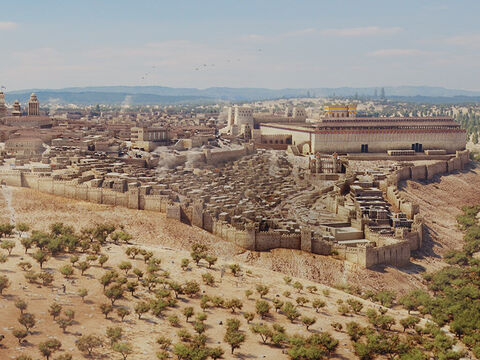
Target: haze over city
x,y
268,44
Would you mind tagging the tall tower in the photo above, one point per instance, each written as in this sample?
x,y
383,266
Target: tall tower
x,y
3,107
17,111
33,106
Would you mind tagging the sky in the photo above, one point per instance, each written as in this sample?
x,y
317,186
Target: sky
x,y
239,43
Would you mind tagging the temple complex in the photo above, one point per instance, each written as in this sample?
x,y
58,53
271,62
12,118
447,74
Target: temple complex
x,y
341,131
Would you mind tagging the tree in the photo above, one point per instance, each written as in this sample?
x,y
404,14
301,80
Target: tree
x,y
138,273
354,330
102,259
263,330
46,277
21,305
41,257
4,283
123,312
211,260
47,348
191,288
27,320
114,333
83,266
233,304
22,227
290,311
188,312
410,322
386,297
308,321
124,348
27,243
114,293
312,289
106,309
216,352
298,286
8,245
262,290
125,266
249,316
55,310
63,323
67,271
301,300
262,308
208,279
131,286
158,307
83,293
233,336
20,334
141,308
318,304
88,343
108,278
199,252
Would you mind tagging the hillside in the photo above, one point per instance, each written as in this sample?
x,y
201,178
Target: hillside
x,y
169,95
156,310
440,203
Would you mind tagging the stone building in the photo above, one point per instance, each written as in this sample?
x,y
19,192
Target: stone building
x,y
340,111
17,109
24,146
351,134
33,106
148,138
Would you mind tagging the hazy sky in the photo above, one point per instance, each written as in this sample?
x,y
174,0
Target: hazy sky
x,y
243,43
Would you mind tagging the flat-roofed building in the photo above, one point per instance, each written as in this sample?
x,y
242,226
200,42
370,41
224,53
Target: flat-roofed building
x,y
374,135
148,138
24,146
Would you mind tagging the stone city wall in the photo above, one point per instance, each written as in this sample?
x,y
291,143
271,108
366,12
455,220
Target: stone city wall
x,y
250,239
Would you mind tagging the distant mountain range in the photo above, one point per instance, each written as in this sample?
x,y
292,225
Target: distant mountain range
x,y
137,95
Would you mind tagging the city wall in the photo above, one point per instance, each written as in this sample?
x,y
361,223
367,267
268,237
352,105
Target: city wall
x,y
397,253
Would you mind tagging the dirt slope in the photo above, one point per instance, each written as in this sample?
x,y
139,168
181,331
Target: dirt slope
x,y
441,200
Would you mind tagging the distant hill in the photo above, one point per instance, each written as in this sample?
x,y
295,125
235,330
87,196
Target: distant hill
x,y
166,95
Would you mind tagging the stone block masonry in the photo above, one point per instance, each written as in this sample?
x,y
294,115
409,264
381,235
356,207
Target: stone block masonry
x,y
249,238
